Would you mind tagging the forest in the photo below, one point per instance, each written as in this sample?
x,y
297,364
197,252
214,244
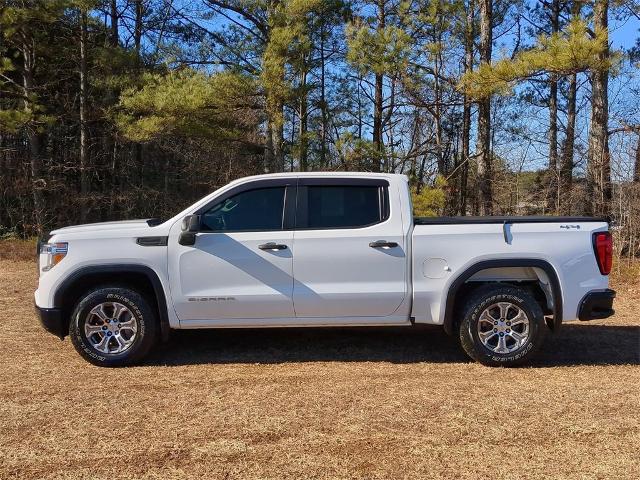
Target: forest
x,y
117,109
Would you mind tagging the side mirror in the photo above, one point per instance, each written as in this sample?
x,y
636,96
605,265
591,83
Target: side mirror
x,y
190,226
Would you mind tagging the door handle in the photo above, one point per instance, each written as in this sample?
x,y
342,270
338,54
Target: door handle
x,y
272,246
383,244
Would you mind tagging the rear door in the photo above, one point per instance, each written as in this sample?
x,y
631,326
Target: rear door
x,y
350,252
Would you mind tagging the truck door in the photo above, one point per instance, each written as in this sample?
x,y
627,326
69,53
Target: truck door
x,y
350,253
241,264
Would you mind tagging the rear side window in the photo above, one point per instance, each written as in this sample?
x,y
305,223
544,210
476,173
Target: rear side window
x,y
250,211
340,206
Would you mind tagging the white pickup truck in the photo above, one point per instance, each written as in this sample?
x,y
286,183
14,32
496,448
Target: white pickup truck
x,y
322,249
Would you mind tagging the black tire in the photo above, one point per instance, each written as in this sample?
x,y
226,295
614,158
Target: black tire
x,y
484,298
140,312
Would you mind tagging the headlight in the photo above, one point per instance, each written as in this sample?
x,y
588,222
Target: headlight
x,y
54,252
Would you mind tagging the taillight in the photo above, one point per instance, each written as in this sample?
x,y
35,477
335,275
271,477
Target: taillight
x,y
603,248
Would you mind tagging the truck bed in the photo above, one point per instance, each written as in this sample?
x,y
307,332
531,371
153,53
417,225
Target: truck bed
x,y
443,248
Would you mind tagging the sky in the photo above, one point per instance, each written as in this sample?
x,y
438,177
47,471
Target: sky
x,y
623,33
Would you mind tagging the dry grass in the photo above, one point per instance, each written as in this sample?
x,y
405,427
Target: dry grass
x,y
318,404
16,249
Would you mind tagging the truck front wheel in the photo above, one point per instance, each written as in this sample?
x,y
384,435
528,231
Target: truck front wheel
x,y
502,325
113,326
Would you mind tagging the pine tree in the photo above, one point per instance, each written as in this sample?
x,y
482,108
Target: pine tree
x,y
379,47
190,104
25,28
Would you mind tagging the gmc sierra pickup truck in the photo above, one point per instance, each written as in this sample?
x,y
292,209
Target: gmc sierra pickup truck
x,y
322,249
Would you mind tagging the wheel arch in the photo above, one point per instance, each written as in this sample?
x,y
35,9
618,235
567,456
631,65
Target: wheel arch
x,y
133,275
456,286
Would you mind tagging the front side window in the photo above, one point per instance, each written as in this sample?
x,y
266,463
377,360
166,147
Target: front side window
x,y
342,206
254,210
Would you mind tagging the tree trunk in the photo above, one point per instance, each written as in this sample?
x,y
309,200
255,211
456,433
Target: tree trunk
x,y
84,173
302,113
115,178
359,98
552,173
109,135
378,99
275,157
323,101
137,30
377,122
33,137
599,169
485,204
636,166
114,34
437,96
466,111
268,148
421,175
278,148
137,43
566,168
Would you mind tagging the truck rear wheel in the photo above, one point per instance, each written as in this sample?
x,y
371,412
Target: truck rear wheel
x,y
502,325
113,327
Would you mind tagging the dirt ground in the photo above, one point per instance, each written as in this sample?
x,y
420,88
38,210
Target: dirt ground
x,y
376,403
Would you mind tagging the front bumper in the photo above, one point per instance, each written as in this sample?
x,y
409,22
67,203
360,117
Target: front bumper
x,y
597,305
52,321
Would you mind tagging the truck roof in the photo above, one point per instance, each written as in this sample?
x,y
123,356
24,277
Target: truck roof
x,y
323,174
